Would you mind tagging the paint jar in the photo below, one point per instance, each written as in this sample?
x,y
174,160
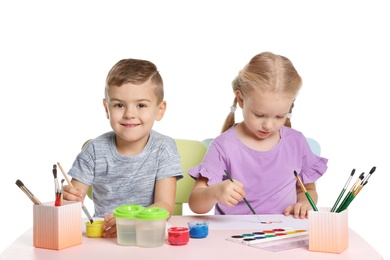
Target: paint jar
x,y
151,227
198,229
95,229
125,223
328,231
178,236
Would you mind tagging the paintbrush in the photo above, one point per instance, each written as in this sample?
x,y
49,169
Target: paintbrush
x,y
350,193
62,192
56,186
352,197
27,192
342,191
313,205
57,201
369,175
70,183
245,200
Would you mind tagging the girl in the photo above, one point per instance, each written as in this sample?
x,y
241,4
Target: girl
x,y
262,152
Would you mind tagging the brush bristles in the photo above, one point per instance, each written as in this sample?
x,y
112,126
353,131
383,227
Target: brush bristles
x,y
55,171
373,170
19,183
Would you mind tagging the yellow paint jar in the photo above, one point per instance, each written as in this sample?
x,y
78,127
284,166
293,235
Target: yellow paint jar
x,y
95,229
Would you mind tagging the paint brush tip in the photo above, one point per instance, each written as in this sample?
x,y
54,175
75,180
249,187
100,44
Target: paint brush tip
x,y
295,173
19,183
372,170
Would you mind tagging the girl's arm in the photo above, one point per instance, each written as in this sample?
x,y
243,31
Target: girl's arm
x,y
302,207
203,197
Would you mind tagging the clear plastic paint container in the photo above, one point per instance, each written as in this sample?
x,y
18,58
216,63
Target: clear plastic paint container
x,y
95,229
198,229
178,236
151,227
125,223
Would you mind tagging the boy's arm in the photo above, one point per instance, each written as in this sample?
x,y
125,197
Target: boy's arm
x,y
165,194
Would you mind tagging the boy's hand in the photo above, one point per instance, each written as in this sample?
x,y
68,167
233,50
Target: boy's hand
x,y
298,210
73,194
109,227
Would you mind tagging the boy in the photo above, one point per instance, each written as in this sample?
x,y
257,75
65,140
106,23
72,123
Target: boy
x,y
132,164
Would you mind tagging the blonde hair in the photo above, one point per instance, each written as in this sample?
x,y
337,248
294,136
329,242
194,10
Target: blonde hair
x,y
135,71
266,72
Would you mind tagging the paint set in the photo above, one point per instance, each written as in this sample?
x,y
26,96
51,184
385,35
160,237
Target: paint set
x,y
277,239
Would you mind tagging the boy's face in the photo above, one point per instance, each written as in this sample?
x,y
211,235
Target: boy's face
x,y
132,110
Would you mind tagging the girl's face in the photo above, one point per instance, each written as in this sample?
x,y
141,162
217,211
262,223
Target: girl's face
x,y
132,110
264,113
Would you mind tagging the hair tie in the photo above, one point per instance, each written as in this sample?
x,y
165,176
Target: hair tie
x,y
289,115
233,109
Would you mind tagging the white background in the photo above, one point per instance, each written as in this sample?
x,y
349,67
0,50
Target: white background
x,y
54,57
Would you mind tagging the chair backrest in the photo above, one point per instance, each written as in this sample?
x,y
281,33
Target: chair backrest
x,y
207,142
191,154
314,146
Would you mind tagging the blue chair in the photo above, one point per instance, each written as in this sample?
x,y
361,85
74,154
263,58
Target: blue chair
x,y
314,146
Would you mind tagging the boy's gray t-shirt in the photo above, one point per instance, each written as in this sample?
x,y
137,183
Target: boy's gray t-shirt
x,y
119,179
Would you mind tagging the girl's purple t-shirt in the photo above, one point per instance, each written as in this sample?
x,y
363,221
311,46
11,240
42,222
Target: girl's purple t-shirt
x,y
268,177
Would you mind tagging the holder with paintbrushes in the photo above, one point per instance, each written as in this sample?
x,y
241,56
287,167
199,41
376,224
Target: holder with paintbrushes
x,y
328,227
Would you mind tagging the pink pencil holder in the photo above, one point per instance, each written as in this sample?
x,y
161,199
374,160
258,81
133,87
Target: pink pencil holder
x,y
57,227
328,231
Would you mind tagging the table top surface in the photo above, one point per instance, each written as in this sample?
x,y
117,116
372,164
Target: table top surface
x,y
215,245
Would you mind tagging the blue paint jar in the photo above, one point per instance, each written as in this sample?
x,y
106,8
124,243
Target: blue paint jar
x,y
198,229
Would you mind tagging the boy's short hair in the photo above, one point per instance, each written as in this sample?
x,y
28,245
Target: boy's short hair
x,y
136,72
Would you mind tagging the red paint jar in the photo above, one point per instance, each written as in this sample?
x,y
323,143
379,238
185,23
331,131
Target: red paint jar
x,y
178,236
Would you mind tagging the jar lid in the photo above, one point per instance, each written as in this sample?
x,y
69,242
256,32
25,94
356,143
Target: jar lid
x,y
153,213
127,210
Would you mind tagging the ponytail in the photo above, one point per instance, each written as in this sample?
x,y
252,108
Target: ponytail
x,y
230,119
288,120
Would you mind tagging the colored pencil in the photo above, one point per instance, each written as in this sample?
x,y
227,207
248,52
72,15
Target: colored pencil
x,y
313,205
245,200
342,191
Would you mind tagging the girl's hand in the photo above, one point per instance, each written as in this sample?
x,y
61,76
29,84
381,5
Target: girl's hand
x,y
298,210
109,227
229,193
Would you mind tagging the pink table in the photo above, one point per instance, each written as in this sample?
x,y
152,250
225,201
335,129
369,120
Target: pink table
x,y
214,246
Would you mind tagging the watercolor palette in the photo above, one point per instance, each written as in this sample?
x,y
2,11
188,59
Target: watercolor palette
x,y
277,239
